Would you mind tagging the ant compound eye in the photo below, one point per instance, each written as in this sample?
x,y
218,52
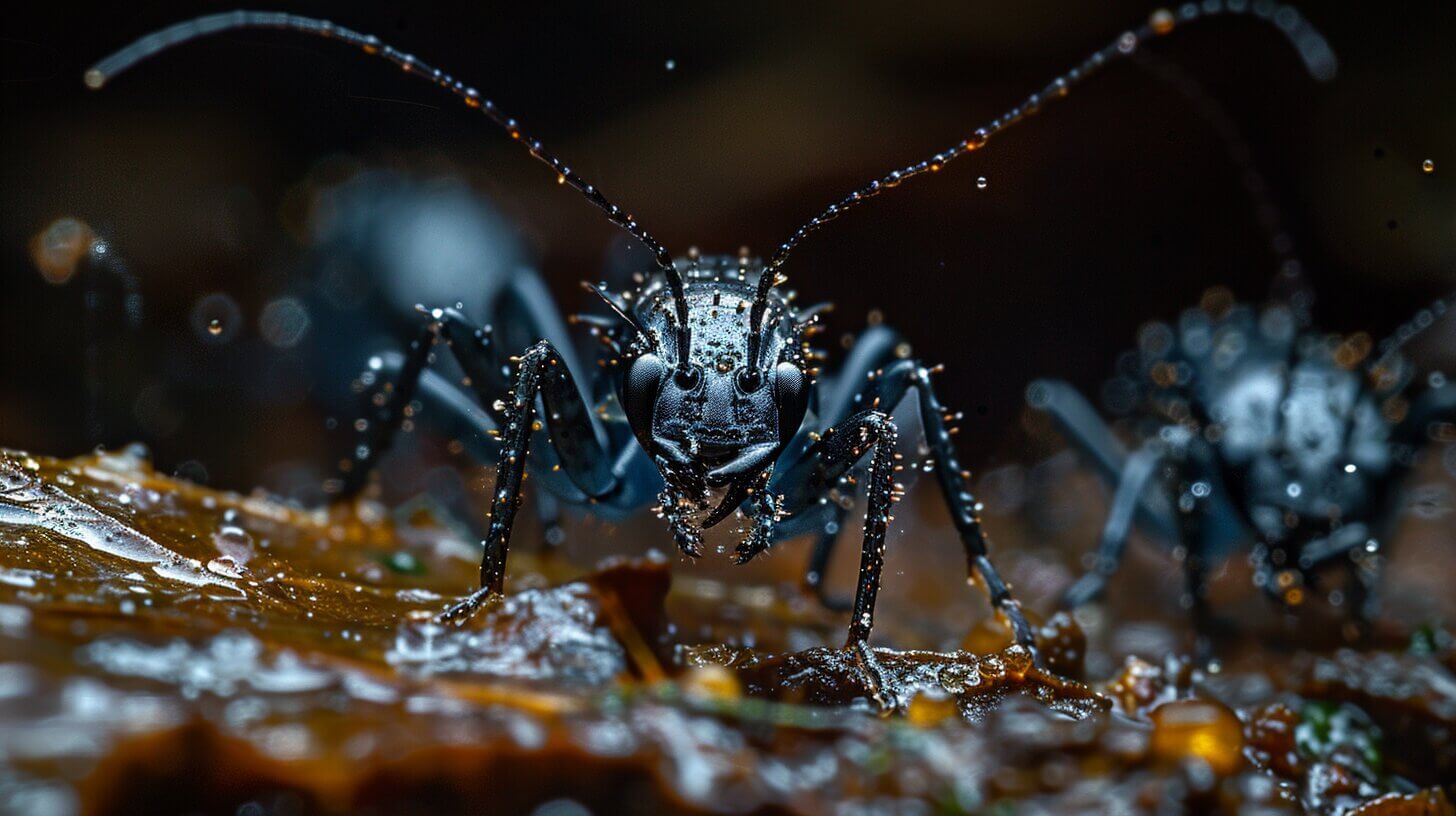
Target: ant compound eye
x,y
640,392
749,380
688,378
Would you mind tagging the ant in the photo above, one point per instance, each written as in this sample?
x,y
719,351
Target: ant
x,y
1259,427
708,373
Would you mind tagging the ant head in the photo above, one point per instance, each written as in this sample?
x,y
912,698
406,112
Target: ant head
x,y
1327,451
718,415
1331,434
710,424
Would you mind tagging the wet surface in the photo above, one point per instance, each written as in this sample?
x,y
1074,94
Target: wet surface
x,y
166,648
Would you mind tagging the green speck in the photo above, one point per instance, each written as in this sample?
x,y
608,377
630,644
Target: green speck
x,y
404,563
1326,726
1429,639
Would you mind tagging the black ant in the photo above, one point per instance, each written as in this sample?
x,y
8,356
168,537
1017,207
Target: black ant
x,y
1261,427
709,376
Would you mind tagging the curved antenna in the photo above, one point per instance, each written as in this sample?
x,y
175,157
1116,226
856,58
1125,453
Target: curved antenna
x,y
158,41
1314,52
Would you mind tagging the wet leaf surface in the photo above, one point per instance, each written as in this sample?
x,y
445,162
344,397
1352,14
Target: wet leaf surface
x,y
165,648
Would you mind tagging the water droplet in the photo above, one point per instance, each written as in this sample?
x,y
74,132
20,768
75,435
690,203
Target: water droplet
x,y
1428,166
981,182
929,708
58,250
216,317
670,65
1201,729
1161,21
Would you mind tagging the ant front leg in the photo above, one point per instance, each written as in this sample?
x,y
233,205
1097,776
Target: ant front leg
x,y
823,464
575,438
875,348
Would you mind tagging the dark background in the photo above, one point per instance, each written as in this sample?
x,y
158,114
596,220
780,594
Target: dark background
x,y
1116,206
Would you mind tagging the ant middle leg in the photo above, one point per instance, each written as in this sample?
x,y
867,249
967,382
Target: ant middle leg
x,y
888,388
573,458
393,381
874,349
883,389
1198,518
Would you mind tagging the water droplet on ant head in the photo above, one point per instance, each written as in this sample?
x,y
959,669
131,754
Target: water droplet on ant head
x,y
981,182
214,327
1428,166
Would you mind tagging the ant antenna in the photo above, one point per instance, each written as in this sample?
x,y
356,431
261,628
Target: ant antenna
x,y
1314,51
158,41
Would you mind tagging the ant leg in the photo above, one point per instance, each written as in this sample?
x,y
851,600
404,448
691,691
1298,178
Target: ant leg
x,y
1364,591
396,380
394,383
452,411
1195,573
1195,580
874,349
575,445
1136,473
523,312
886,390
386,403
1079,422
1358,549
574,436
836,451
